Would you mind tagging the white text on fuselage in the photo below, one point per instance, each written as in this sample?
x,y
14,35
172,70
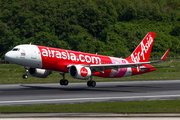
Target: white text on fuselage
x,y
144,49
70,56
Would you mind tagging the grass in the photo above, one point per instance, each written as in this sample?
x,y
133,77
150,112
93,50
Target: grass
x,y
157,106
12,74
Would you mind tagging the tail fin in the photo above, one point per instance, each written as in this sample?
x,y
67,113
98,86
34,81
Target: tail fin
x,y
143,50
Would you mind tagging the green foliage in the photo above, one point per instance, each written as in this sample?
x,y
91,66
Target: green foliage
x,y
176,30
173,4
109,27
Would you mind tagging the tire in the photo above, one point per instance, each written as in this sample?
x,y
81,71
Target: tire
x,y
25,76
61,82
89,83
65,82
93,83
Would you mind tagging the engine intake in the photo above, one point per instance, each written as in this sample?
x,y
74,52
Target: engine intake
x,y
80,72
41,73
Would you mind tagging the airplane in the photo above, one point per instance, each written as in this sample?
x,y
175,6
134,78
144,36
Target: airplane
x,y
39,61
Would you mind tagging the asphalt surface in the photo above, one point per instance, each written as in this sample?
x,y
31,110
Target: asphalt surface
x,y
98,118
33,94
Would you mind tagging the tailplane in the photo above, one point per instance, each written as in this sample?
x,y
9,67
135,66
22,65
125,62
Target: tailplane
x,y
143,50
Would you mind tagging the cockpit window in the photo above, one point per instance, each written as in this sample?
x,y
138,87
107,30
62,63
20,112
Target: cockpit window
x,y
15,49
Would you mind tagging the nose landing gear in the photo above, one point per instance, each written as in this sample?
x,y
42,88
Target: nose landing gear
x,y
25,76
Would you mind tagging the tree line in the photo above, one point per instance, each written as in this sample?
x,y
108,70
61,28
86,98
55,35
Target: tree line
x,y
109,27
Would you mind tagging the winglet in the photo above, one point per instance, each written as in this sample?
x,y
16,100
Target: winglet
x,y
165,54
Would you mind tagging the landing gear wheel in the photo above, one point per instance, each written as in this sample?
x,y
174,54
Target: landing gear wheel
x,y
64,82
61,82
25,76
91,83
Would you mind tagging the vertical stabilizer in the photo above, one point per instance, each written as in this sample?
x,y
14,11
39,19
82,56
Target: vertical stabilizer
x,y
143,50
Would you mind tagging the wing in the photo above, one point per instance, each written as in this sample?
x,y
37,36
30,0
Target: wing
x,y
102,67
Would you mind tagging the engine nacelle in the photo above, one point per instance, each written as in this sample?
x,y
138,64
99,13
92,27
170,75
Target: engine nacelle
x,y
79,72
36,72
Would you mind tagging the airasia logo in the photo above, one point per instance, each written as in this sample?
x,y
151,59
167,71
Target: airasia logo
x,y
68,55
83,72
143,50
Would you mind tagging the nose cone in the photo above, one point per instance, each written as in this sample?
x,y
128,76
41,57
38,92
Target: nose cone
x,y
10,56
7,56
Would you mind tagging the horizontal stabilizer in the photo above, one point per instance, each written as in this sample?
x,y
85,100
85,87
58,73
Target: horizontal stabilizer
x,y
142,69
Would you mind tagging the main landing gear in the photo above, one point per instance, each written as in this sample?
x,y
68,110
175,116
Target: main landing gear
x,y
25,76
63,81
91,83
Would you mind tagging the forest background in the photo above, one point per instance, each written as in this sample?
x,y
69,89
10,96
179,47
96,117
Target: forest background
x,y
109,27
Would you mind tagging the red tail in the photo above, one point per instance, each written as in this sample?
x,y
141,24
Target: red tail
x,y
142,52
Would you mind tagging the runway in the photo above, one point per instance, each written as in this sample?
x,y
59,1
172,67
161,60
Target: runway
x,y
34,94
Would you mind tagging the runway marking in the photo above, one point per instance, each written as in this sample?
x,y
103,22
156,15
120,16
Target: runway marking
x,y
98,98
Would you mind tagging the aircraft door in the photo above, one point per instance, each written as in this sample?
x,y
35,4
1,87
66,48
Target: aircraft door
x,y
33,53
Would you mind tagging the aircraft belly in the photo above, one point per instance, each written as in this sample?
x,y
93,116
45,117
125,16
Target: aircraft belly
x,y
128,72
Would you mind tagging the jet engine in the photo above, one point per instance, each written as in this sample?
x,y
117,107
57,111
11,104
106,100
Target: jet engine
x,y
80,72
41,73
